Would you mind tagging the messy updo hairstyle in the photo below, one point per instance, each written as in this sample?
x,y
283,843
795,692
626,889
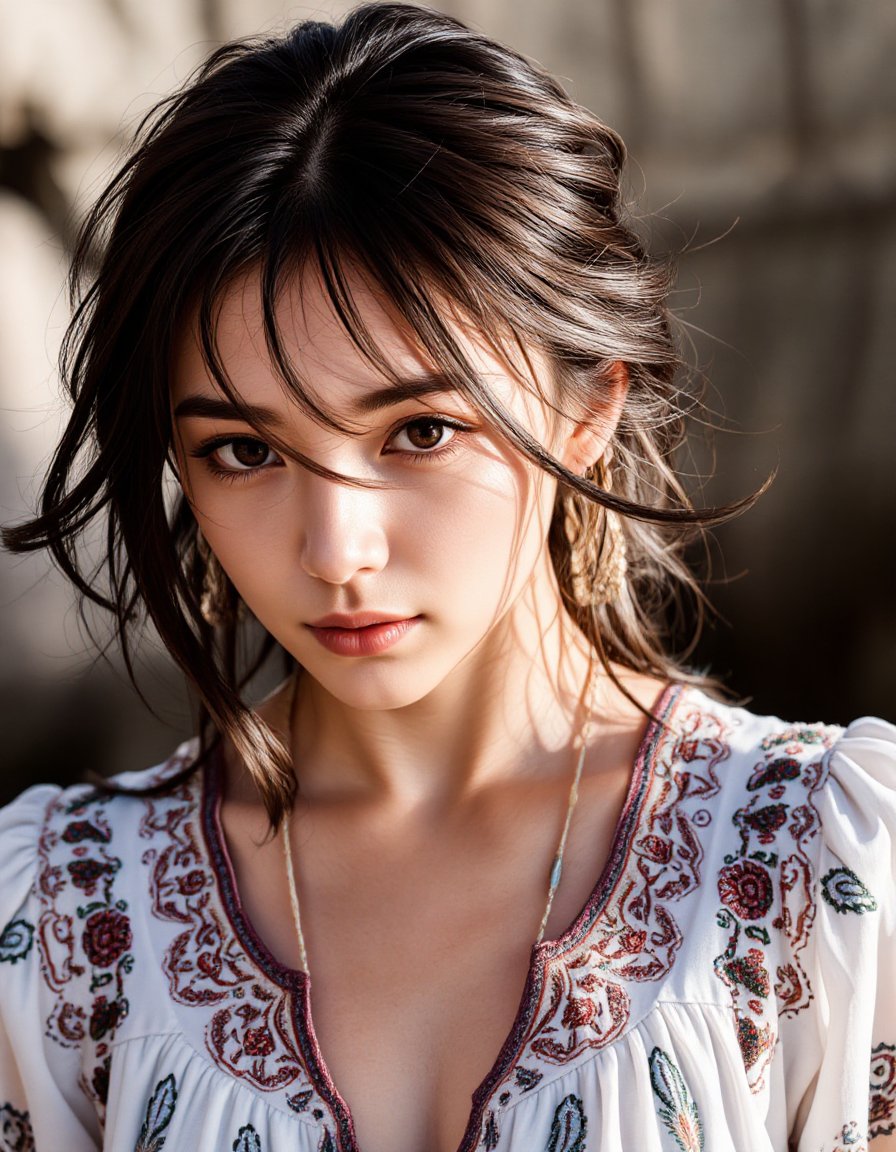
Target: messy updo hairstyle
x,y
459,179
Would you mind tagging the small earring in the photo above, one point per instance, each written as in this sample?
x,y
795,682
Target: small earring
x,y
613,561
214,602
598,556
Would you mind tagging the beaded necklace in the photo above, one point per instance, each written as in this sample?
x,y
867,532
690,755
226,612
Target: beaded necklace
x,y
556,866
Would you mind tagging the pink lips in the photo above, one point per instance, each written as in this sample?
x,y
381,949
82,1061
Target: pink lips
x,y
365,634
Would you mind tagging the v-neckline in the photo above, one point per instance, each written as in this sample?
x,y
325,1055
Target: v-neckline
x,y
298,983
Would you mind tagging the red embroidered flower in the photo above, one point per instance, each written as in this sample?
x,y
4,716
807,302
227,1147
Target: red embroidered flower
x,y
633,941
258,1042
80,830
879,1109
106,1016
578,1011
656,848
85,873
747,889
209,964
106,936
191,882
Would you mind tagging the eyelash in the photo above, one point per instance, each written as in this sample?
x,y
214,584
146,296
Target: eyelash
x,y
205,450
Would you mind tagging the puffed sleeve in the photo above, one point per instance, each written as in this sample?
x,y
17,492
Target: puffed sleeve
x,y
42,1106
847,1040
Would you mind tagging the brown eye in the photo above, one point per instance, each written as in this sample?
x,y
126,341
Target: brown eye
x,y
425,434
245,453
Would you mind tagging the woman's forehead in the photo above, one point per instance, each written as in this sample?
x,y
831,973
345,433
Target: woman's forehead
x,y
334,371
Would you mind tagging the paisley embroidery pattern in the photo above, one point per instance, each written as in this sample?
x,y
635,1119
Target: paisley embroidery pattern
x,y
845,892
882,1103
678,1112
159,1111
766,891
850,1139
569,1127
16,941
16,1134
247,1140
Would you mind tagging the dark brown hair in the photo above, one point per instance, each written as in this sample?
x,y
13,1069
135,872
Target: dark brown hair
x,y
444,167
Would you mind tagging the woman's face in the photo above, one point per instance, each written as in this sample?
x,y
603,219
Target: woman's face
x,y
454,543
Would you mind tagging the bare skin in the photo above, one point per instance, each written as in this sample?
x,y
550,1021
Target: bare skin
x,y
419,925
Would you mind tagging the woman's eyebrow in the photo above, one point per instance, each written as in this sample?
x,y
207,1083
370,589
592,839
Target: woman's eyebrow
x,y
219,408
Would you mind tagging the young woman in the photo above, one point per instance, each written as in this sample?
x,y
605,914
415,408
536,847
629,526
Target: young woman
x,y
371,372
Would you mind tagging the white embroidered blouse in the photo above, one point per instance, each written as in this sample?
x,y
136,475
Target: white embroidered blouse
x,y
730,985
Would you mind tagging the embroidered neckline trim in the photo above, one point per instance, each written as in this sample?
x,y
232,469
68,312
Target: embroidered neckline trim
x,y
297,982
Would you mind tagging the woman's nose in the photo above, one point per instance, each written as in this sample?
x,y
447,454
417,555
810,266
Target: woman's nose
x,y
341,530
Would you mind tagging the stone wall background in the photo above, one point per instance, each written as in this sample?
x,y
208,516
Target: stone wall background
x,y
761,138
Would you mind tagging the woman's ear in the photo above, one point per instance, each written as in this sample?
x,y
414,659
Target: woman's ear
x,y
589,438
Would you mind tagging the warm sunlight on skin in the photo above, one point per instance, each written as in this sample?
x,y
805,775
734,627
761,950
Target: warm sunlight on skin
x,y
456,542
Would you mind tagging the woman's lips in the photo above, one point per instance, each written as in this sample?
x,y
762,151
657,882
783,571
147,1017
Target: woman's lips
x,y
367,641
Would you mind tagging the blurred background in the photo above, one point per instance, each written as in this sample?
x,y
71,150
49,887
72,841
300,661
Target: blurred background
x,y
762,148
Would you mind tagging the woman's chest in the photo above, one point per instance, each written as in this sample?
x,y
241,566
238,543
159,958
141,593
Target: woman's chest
x,y
419,965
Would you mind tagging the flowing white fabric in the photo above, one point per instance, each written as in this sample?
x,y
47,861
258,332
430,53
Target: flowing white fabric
x,y
729,986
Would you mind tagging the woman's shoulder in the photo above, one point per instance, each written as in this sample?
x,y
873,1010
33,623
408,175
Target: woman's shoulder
x,y
799,786
826,791
48,821
780,750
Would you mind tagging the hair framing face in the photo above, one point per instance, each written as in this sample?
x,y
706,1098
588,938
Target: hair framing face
x,y
452,173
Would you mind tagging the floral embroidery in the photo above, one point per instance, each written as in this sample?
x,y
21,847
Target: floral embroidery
x,y
83,934
490,1136
882,1105
746,889
766,891
679,1111
16,1133
628,934
247,1140
16,941
850,1139
80,830
845,892
250,1030
159,1111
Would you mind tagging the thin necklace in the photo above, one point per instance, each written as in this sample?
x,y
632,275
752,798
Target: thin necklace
x,y
556,866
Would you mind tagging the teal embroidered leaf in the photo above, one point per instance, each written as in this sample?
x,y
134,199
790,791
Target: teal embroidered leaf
x,y
679,1112
247,1141
326,1144
845,892
16,941
568,1127
159,1110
